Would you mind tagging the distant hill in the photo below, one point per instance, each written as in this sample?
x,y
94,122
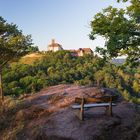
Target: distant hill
x,y
118,61
31,58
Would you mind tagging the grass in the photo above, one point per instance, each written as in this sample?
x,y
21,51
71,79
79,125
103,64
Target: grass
x,y
29,58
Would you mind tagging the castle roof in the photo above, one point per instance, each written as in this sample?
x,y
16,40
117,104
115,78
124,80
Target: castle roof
x,y
53,44
87,50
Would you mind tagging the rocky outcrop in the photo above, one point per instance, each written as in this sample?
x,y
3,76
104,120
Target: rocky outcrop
x,y
48,115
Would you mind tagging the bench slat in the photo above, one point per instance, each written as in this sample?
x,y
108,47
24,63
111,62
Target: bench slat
x,y
95,100
92,105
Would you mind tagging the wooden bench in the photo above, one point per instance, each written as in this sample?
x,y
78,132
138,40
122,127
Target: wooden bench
x,y
105,101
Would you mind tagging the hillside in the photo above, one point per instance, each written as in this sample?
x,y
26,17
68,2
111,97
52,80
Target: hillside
x,y
37,71
48,115
30,58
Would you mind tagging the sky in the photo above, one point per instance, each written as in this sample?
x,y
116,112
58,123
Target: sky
x,y
67,21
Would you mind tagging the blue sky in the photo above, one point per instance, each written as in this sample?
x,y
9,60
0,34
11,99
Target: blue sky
x,y
65,20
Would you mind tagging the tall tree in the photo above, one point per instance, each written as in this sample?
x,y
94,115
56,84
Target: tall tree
x,y
13,44
121,30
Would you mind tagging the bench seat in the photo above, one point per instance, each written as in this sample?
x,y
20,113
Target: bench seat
x,y
92,105
85,103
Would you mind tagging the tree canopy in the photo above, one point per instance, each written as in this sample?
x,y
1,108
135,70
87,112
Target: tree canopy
x,y
13,44
121,30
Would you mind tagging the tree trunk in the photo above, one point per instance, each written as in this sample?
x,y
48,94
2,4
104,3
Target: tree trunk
x,y
1,89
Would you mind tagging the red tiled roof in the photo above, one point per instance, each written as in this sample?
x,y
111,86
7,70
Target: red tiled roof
x,y
87,50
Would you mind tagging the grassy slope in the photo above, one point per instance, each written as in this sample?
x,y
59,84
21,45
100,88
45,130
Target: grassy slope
x,y
30,58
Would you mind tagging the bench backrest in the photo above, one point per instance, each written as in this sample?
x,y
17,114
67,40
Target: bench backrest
x,y
96,100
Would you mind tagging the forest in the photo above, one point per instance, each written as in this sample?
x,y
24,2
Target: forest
x,y
62,68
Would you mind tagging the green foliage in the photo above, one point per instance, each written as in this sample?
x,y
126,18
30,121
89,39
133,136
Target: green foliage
x,y
136,86
13,43
62,68
33,49
126,95
121,30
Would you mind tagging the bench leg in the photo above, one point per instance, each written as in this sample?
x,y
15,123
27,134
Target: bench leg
x,y
106,110
110,109
81,115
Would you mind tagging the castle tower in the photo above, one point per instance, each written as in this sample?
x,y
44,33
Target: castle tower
x,y
54,46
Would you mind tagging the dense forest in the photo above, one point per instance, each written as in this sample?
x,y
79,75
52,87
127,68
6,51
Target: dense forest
x,y
63,68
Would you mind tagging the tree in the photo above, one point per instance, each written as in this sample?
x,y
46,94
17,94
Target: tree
x,y
121,30
33,48
13,44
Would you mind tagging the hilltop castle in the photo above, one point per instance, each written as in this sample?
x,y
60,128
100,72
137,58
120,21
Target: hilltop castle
x,y
54,46
80,52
